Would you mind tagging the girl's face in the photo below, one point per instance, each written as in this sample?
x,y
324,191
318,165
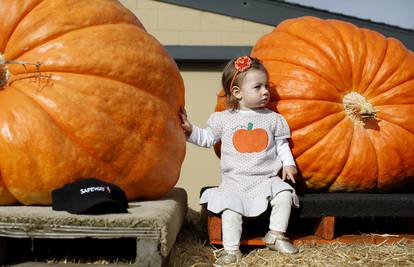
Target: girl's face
x,y
253,91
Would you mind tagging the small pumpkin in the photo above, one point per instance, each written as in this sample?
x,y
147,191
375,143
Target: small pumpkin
x,y
250,140
348,96
97,97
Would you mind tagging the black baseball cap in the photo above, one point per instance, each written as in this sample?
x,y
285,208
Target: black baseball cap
x,y
90,196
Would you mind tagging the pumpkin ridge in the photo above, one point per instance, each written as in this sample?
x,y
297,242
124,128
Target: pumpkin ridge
x,y
390,76
375,98
317,120
338,108
327,133
376,157
305,68
328,178
322,52
161,102
364,63
52,38
396,148
360,179
329,118
16,78
114,121
71,136
365,41
331,24
304,99
161,105
368,89
393,123
364,58
386,130
325,90
27,12
331,182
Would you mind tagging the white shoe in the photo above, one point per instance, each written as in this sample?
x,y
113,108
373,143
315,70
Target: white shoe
x,y
228,258
279,242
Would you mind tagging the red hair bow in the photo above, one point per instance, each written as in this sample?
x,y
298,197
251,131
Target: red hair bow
x,y
242,63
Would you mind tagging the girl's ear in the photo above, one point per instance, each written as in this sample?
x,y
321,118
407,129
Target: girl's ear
x,y
236,92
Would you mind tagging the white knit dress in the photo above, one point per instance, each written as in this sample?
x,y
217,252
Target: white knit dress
x,y
249,178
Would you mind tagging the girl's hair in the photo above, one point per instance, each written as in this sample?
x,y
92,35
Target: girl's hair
x,y
228,76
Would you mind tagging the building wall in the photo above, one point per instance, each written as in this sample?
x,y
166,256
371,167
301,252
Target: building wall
x,y
201,167
175,25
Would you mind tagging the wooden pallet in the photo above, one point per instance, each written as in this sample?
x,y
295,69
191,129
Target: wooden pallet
x,y
152,225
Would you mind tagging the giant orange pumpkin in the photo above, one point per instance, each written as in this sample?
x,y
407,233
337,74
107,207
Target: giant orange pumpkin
x,y
102,101
348,96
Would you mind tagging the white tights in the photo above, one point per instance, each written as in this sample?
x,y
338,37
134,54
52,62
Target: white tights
x,y
231,221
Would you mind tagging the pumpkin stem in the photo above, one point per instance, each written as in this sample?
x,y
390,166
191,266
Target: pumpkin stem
x,y
358,108
250,126
4,72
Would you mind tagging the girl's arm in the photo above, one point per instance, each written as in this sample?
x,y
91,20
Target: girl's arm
x,y
185,123
196,135
289,170
283,150
201,137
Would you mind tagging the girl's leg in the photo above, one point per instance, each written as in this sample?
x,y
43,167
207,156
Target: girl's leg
x,y
231,223
281,206
231,228
279,219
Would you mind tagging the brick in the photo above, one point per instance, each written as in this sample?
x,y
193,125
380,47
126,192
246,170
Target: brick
x,y
148,17
166,37
199,38
240,38
214,22
250,26
179,20
145,4
130,4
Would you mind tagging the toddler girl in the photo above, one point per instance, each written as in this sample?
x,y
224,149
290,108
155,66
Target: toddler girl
x,y
254,148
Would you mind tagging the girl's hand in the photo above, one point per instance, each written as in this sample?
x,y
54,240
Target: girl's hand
x,y
185,123
289,172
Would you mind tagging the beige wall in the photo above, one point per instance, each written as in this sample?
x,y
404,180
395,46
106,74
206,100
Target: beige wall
x,y
175,25
201,167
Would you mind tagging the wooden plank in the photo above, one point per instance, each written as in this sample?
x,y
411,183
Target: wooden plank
x,y
345,239
148,254
44,264
326,227
314,239
353,239
252,241
214,228
25,230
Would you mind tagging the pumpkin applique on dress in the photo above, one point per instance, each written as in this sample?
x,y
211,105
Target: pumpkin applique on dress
x,y
250,140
